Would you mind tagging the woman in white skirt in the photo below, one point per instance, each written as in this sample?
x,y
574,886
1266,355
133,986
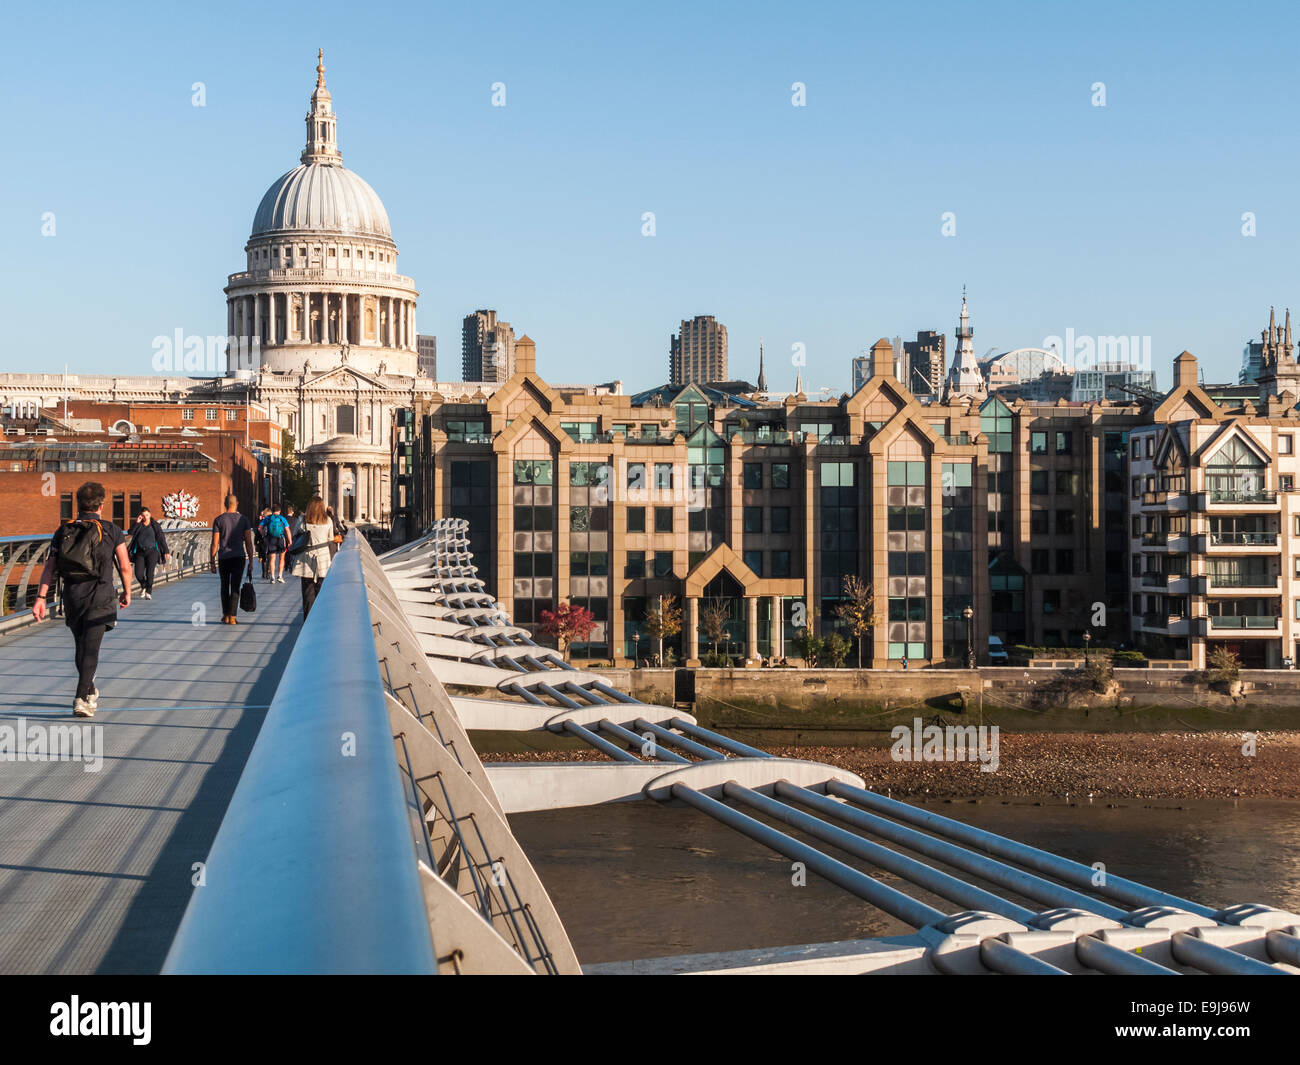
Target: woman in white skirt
x,y
312,561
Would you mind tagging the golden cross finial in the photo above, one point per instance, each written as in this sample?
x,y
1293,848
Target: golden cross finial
x,y
320,66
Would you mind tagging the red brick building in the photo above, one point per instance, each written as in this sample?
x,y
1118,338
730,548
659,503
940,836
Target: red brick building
x,y
250,423
39,477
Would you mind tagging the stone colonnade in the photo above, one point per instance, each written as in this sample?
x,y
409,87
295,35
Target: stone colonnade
x,y
691,623
353,489
331,318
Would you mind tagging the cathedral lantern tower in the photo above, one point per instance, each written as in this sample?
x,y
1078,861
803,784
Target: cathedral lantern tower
x,y
320,285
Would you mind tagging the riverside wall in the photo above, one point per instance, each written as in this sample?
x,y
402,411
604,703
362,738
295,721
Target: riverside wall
x,y
1012,696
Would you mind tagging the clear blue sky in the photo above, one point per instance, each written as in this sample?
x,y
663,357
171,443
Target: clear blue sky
x,y
817,225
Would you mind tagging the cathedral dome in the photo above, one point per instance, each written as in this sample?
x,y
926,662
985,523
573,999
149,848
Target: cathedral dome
x,y
321,197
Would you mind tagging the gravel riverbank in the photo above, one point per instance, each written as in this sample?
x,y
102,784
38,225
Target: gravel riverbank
x,y
1155,765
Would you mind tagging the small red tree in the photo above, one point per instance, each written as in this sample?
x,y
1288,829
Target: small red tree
x,y
567,624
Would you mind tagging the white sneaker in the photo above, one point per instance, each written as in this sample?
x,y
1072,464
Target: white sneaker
x,y
82,708
148,595
93,699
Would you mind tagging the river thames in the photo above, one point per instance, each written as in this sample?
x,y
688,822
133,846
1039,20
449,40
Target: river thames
x,y
641,880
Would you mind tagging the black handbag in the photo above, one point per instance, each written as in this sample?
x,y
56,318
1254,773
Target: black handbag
x,y
248,594
300,543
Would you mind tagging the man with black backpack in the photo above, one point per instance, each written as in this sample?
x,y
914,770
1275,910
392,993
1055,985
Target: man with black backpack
x,y
82,555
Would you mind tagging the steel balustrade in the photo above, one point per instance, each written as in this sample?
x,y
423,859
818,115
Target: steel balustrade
x,y
22,558
433,584
313,869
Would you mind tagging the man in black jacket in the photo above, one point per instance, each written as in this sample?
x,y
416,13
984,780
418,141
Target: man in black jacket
x,y
148,544
90,600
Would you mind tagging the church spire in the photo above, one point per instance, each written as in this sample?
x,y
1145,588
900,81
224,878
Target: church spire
x,y
762,377
965,377
322,122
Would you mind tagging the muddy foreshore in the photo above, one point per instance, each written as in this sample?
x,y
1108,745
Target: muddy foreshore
x,y
1152,765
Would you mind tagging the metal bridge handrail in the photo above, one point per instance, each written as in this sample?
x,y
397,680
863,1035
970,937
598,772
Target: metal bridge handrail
x,y
313,869
22,558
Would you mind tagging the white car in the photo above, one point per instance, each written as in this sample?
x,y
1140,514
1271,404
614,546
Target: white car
x,y
997,651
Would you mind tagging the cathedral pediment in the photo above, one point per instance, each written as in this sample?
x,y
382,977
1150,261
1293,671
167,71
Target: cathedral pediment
x,y
343,377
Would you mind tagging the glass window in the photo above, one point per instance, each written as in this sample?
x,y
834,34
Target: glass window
x,y
780,475
636,475
754,560
780,564
663,475
753,519
753,475
663,563
1065,443
533,471
663,519
1038,443
635,565
1038,482
780,519
636,519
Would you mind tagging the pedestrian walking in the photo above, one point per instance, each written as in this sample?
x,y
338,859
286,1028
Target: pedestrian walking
x,y
294,521
232,548
277,543
340,530
312,561
83,554
147,545
259,541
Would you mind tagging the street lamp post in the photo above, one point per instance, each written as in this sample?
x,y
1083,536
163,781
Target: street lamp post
x,y
1087,642
969,615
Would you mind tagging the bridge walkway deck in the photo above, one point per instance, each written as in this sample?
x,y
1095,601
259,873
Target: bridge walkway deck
x,y
96,867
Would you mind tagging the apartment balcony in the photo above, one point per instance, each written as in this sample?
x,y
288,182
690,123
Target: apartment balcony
x,y
1229,540
1240,498
1246,583
1174,583
764,436
1244,623
1175,542
1165,499
1171,624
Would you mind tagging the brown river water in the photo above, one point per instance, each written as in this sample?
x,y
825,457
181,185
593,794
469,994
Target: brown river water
x,y
643,880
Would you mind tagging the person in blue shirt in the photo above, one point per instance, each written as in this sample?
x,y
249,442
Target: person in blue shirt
x,y
277,543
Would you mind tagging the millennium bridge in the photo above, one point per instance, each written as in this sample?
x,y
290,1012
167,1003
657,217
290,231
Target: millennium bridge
x,y
304,797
